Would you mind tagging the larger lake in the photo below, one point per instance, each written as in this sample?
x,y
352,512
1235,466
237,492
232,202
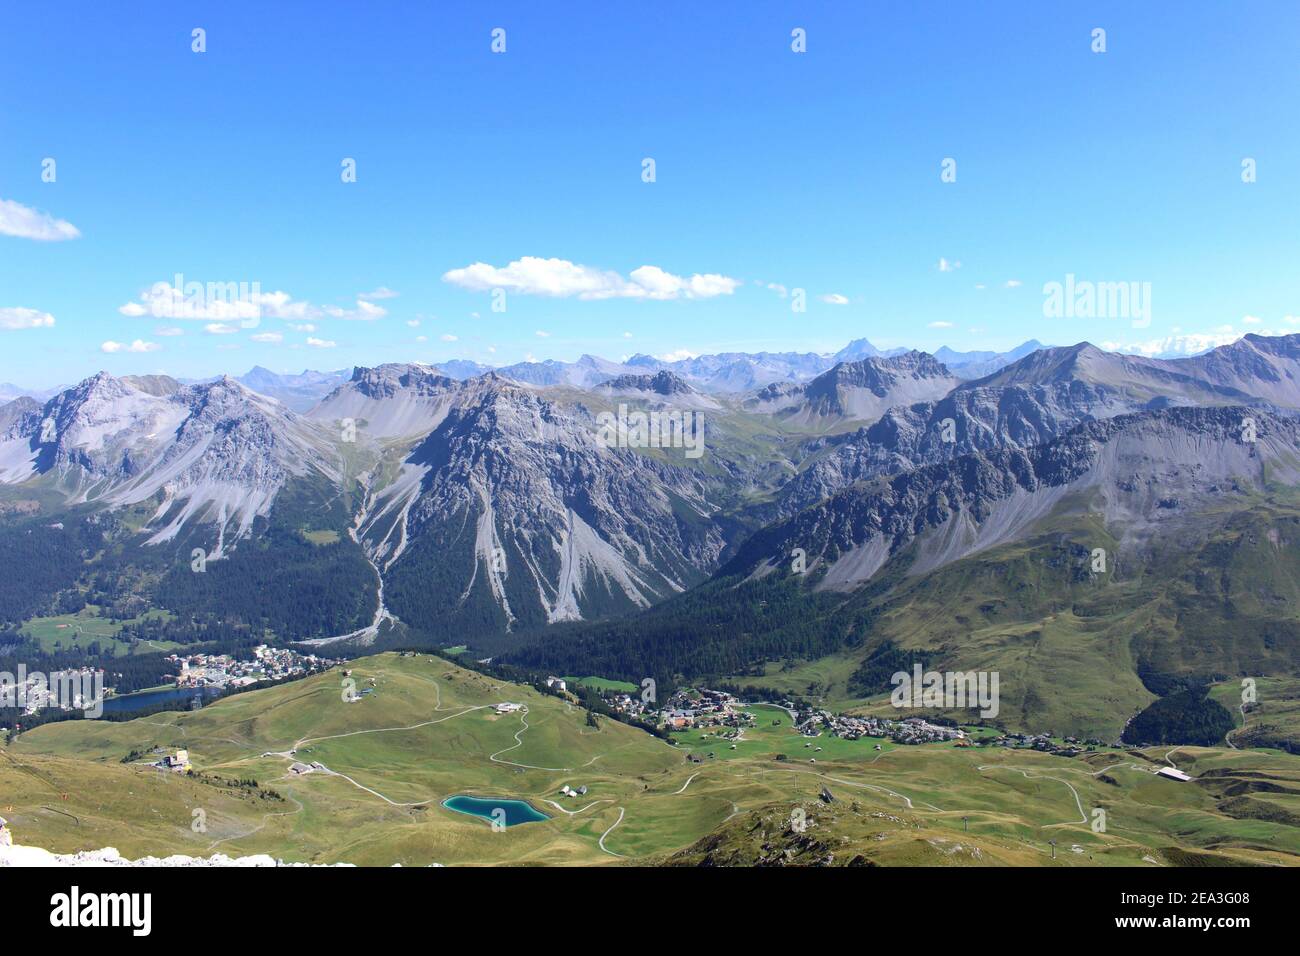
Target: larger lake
x,y
181,696
515,811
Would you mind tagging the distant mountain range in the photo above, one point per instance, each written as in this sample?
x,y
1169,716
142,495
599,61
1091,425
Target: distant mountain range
x,y
724,372
462,509
300,392
9,392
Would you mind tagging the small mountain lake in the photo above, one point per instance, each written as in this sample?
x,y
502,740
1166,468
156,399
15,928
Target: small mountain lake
x,y
515,811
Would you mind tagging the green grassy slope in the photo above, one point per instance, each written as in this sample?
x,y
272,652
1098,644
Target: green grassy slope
x,y
429,731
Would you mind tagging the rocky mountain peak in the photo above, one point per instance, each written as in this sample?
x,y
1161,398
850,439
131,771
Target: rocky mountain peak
x,y
663,382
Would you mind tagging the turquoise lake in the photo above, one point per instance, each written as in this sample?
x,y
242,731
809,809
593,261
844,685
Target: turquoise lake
x,y
516,811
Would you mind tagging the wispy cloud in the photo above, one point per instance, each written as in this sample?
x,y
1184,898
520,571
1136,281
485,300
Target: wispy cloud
x,y
1012,284
948,265
834,298
560,278
364,312
20,318
939,325
238,301
267,338
320,343
383,292
139,345
26,223
222,302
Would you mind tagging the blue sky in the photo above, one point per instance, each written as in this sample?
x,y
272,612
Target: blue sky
x,y
818,171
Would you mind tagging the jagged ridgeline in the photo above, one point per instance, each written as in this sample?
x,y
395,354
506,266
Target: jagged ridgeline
x,y
163,495
955,507
1159,541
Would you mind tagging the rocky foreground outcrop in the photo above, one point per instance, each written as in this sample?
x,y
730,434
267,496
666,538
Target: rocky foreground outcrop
x,y
15,855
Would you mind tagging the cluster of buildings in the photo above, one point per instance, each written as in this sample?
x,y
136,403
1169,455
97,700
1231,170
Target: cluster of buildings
x,y
704,708
912,730
694,709
72,689
1045,743
224,670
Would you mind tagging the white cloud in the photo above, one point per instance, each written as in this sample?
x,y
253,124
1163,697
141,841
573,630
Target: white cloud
x,y
168,331
320,343
280,305
24,223
542,335
448,337
947,265
303,327
20,318
241,301
678,356
220,328
560,278
834,298
421,338
1251,320
1012,284
979,285
778,288
219,301
383,292
364,312
137,346
267,337
627,335
413,323
939,325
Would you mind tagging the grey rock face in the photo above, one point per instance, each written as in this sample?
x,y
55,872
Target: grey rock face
x,y
1136,468
215,452
546,519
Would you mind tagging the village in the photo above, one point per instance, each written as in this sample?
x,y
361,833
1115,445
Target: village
x,y
222,671
68,690
695,709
